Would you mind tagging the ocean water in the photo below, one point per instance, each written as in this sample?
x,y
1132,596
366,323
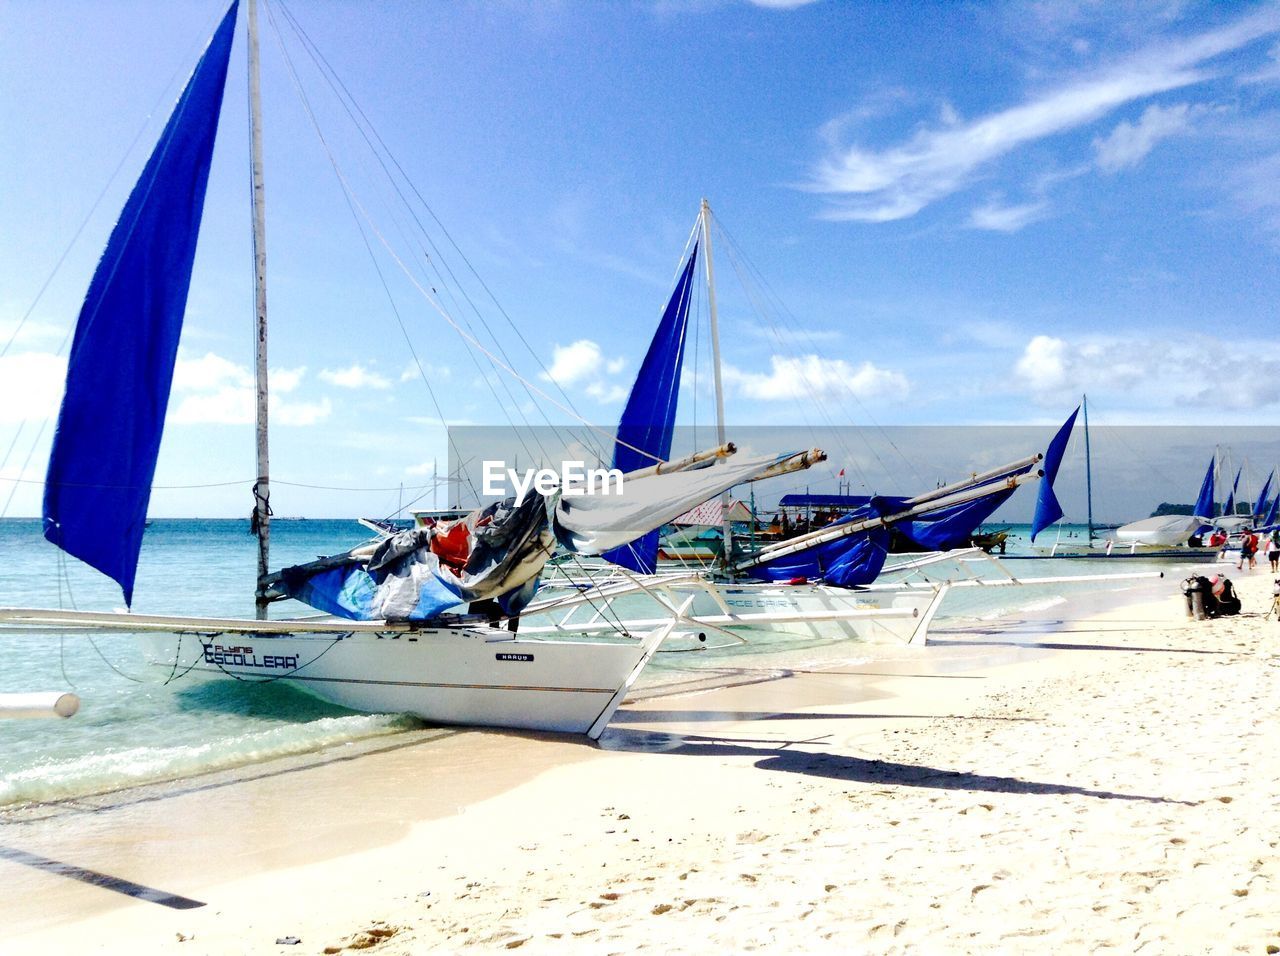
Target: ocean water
x,y
135,727
132,726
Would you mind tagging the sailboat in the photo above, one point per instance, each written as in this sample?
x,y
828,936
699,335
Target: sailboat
x,y
1160,537
414,621
823,584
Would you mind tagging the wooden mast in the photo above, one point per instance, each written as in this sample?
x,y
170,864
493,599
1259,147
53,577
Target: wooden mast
x,y
1088,466
727,528
262,486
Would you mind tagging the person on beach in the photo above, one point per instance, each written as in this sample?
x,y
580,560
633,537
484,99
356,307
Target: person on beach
x,y
1273,550
1248,547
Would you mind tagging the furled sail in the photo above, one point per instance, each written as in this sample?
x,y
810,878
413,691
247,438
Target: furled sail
x,y
648,420
1048,510
126,341
1204,503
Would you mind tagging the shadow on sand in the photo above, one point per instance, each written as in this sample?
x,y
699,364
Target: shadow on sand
x,y
854,769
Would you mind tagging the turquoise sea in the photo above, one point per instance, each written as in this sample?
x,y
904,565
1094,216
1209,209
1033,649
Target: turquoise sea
x,y
133,727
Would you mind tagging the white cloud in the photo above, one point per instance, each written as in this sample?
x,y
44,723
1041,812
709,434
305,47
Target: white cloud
x,y
1129,143
812,376
1160,374
31,386
583,363
434,373
608,394
209,372
299,413
894,183
573,363
357,376
285,380
212,390
1000,218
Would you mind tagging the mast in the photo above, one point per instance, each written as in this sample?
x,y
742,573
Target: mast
x,y
1088,466
727,528
261,487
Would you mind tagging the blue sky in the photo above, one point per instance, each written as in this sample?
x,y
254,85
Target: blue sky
x,y
970,212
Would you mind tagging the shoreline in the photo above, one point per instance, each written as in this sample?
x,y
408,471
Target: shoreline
x,y
838,771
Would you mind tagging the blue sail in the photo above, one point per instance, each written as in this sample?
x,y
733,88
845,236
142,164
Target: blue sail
x,y
648,420
126,341
1260,507
1047,508
1230,507
1204,503
1274,513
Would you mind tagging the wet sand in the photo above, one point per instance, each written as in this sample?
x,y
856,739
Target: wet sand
x,y
1058,784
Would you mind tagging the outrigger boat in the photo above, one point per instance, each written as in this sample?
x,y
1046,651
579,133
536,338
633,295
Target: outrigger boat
x,y
412,621
825,582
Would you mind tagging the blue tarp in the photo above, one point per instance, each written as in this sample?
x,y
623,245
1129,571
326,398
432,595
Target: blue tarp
x,y
648,420
126,340
846,562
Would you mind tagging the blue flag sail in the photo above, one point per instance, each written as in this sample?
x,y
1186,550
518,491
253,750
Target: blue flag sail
x,y
122,357
1204,503
1230,507
1261,506
648,420
1274,513
1047,508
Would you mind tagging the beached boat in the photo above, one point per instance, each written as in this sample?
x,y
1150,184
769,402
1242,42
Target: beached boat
x,y
393,639
818,580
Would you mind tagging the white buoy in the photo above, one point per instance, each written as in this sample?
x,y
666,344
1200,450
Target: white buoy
x,y
40,704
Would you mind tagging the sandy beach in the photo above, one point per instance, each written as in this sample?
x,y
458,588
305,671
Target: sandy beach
x,y
1107,782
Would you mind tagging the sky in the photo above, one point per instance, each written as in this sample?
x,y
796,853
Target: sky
x,y
948,214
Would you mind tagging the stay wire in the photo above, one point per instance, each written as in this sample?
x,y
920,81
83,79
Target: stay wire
x,y
432,256
367,124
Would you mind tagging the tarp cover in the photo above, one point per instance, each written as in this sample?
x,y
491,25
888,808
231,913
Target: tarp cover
x,y
496,553
845,562
126,340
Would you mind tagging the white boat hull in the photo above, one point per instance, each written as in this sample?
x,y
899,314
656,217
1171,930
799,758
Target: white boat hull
x,y
467,676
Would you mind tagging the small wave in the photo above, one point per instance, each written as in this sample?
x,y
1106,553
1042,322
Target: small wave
x,y
114,769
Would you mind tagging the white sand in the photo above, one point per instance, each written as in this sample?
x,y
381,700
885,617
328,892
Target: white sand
x,y
1119,793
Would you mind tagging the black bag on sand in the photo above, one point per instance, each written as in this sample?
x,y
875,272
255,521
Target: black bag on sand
x,y
1228,600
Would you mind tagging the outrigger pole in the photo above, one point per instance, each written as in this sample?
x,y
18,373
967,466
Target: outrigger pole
x,y
972,489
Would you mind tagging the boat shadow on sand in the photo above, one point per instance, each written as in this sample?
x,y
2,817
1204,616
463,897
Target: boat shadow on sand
x,y
843,767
